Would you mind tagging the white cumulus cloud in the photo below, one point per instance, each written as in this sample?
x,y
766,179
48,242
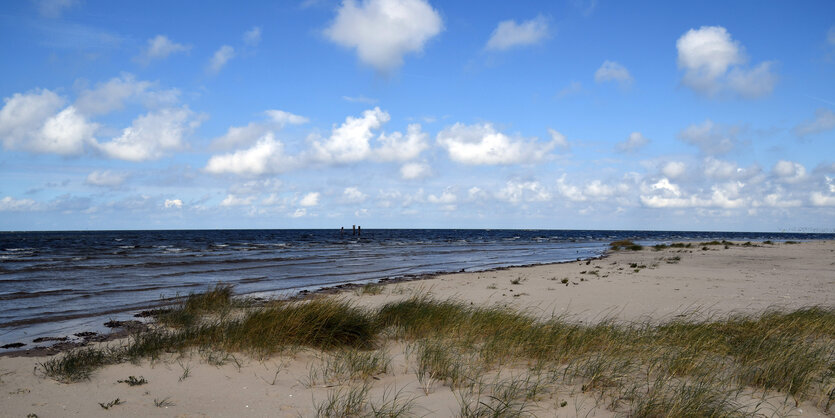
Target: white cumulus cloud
x,y
816,198
10,204
235,200
447,197
569,191
713,62
350,142
383,31
265,157
673,169
353,195
36,122
665,194
310,199
720,169
413,171
160,47
173,204
789,171
399,147
509,34
633,142
613,71
152,136
523,191
482,144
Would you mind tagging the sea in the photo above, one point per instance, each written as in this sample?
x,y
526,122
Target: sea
x,y
57,284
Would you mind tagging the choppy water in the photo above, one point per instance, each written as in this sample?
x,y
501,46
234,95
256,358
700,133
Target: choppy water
x,y
56,283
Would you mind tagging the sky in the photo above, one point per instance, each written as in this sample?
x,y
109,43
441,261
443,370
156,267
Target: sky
x,y
570,114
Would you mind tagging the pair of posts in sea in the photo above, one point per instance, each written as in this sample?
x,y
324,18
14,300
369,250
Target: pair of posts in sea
x,y
355,230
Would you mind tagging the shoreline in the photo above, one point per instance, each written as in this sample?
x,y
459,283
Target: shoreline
x,y
69,342
65,342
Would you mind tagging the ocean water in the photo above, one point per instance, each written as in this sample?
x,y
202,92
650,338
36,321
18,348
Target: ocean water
x,y
59,283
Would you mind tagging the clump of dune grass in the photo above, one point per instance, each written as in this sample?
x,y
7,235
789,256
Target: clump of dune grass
x,y
216,300
369,289
348,364
442,361
320,323
164,402
354,402
625,244
511,396
342,402
714,242
77,365
393,403
687,398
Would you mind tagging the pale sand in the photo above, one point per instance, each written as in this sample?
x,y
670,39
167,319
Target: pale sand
x,y
718,281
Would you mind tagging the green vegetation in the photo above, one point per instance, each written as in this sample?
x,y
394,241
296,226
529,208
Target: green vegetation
x,y
714,242
682,367
164,402
625,244
348,364
369,289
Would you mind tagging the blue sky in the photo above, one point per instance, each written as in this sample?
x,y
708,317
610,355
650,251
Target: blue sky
x,y
570,114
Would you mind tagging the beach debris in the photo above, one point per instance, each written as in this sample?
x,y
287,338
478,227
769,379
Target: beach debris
x,y
152,313
46,339
134,381
111,404
12,345
124,324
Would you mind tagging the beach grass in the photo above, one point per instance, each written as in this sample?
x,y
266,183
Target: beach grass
x,y
625,244
684,366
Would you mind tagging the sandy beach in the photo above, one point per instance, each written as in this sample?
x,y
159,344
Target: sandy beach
x,y
646,286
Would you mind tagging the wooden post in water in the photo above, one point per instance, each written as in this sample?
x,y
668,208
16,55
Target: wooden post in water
x,y
354,230
359,230
341,231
